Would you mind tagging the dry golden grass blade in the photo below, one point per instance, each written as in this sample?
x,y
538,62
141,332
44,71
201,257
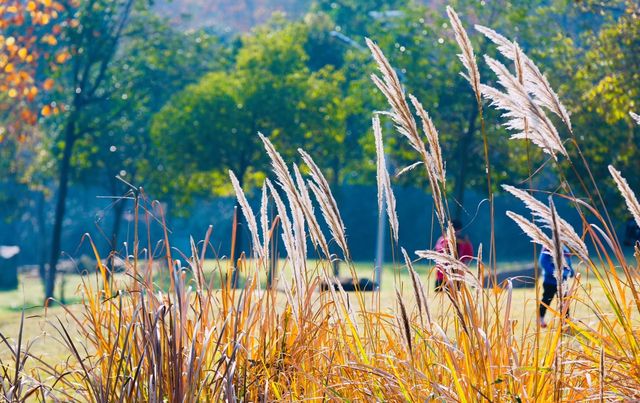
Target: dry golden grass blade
x,y
629,196
467,56
384,182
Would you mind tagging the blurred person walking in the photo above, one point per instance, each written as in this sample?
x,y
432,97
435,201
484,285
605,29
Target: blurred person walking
x,y
464,251
550,282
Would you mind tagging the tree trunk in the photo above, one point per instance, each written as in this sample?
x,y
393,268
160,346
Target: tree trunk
x,y
273,245
336,189
237,244
462,157
239,233
63,187
42,241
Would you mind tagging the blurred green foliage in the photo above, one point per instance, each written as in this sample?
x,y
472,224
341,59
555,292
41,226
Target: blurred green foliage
x,y
178,108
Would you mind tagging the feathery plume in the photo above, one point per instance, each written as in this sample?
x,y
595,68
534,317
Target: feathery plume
x,y
535,82
519,106
518,62
452,240
328,205
635,117
430,132
401,115
380,160
277,163
286,183
542,214
432,159
391,87
418,288
287,229
279,167
299,233
454,268
264,221
337,230
480,265
407,169
307,208
532,230
384,182
467,56
505,46
405,322
248,215
629,196
290,243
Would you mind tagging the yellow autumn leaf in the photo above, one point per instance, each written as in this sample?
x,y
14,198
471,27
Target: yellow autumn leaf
x,y
48,84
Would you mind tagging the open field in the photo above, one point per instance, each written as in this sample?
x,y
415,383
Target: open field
x,y
37,323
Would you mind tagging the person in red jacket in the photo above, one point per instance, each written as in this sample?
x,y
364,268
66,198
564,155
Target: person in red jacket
x,y
465,251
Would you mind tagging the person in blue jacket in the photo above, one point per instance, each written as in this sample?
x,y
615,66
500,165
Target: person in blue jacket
x,y
549,282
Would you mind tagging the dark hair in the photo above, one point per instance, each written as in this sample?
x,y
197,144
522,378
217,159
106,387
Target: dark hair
x,y
457,224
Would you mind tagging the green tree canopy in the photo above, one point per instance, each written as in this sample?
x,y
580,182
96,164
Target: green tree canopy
x,y
212,125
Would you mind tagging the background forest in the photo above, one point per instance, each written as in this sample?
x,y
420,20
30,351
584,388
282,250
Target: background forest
x,y
169,95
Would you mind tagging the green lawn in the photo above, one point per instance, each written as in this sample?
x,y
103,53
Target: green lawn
x,y
37,323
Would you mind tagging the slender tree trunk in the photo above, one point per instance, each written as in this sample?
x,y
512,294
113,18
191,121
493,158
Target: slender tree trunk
x,y
273,245
63,188
336,189
42,238
462,156
239,233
